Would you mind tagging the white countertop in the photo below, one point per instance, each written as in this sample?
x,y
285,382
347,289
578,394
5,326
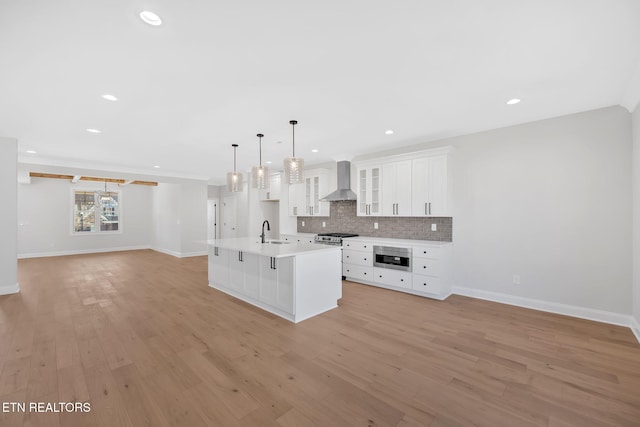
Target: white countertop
x,y
252,245
403,242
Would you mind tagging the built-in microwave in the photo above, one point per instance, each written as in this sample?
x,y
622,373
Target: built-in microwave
x,y
392,257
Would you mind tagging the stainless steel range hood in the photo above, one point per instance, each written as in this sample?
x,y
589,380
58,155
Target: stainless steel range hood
x,y
344,184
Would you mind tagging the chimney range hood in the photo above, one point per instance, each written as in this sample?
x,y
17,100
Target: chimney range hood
x,y
344,184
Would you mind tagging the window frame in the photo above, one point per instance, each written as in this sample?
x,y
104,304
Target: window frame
x,y
97,231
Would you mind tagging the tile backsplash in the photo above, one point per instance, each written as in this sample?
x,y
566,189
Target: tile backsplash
x,y
343,219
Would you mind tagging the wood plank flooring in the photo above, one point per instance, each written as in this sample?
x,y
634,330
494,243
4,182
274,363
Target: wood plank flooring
x,y
142,337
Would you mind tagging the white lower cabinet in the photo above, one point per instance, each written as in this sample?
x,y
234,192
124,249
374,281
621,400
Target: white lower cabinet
x,y
430,274
296,286
244,272
357,272
357,257
298,238
236,271
387,276
251,274
276,282
427,284
219,267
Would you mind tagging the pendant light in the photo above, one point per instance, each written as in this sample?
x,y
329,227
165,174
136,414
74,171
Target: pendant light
x,y
294,166
234,179
104,198
260,174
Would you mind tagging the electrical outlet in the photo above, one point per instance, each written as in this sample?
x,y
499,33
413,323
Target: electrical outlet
x,y
434,227
375,225
303,223
516,279
324,224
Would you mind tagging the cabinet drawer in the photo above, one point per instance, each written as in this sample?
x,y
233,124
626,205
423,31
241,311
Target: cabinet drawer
x,y
358,258
427,284
426,252
357,272
430,267
385,276
358,246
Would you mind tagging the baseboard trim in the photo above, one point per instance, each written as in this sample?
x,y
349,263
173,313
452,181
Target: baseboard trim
x,y
179,254
635,328
11,289
551,307
190,254
82,251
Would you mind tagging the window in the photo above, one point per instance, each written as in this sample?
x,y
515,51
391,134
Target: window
x,y
96,211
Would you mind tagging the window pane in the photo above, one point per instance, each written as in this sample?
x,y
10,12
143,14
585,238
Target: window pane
x,y
84,212
109,220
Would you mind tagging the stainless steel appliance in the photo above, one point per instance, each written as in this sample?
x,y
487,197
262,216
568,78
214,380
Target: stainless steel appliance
x,y
344,191
334,239
391,257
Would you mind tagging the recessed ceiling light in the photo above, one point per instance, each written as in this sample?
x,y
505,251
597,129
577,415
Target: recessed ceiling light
x,y
268,162
150,18
109,97
32,152
157,167
93,130
389,132
513,101
315,150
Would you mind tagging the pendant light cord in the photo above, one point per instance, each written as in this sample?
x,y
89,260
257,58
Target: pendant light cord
x,y
293,124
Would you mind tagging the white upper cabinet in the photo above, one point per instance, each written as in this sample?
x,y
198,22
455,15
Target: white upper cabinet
x,y
296,199
396,188
273,193
429,186
304,198
369,190
316,186
412,184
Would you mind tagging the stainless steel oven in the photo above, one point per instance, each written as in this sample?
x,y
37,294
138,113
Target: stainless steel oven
x,y
392,257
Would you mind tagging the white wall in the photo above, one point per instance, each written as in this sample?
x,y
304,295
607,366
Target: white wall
x,y
636,219
166,218
180,218
193,204
8,216
45,211
548,201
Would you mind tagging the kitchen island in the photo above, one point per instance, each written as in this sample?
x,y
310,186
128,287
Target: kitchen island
x,y
295,281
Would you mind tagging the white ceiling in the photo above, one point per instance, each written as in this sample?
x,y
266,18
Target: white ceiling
x,y
217,73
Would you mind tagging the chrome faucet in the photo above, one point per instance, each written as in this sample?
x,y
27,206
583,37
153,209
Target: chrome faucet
x,y
268,229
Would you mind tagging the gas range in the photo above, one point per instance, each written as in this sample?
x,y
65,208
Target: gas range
x,y
332,238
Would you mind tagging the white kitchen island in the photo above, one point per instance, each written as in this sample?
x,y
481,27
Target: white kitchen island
x,y
295,281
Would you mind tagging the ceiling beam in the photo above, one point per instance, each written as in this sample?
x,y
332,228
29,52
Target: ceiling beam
x,y
76,178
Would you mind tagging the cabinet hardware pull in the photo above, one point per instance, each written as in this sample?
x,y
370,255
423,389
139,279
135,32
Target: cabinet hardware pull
x,y
402,280
425,208
424,266
429,208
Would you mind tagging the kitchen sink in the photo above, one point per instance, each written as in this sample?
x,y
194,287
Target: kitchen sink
x,y
276,242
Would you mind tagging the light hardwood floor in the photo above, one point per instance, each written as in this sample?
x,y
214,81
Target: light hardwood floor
x,y
142,337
